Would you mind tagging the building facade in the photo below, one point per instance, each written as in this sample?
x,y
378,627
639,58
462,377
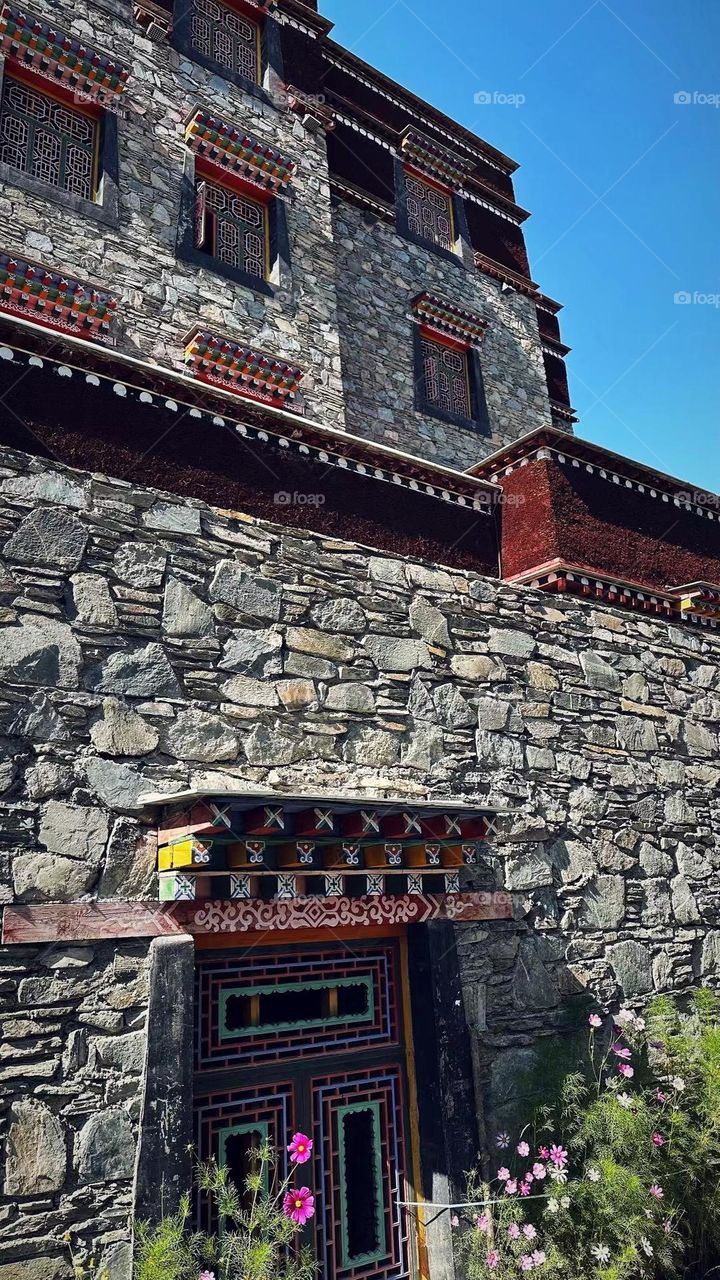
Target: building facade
x,y
359,722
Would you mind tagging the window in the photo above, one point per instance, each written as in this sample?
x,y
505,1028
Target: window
x,y
446,378
429,213
232,228
223,34
45,137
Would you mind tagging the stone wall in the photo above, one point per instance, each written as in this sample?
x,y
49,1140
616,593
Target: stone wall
x,y
154,644
161,297
379,273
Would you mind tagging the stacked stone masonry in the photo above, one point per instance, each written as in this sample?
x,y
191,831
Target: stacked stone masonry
x,y
340,312
154,644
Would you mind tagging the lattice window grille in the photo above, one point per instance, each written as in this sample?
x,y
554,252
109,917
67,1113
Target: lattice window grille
x,y
429,213
239,228
47,139
220,33
446,378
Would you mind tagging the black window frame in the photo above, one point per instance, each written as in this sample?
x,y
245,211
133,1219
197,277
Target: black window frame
x,y
479,422
280,278
459,255
271,59
105,207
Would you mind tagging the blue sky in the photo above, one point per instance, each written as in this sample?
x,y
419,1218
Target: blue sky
x,y
623,183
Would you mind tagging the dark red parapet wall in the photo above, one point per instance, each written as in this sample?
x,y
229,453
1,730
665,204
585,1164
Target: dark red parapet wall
x,y
591,517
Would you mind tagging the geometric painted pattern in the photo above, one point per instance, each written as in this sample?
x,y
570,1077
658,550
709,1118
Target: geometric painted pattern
x,y
221,33
447,384
289,1003
429,213
44,137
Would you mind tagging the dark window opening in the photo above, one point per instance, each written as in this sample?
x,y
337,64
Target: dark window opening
x,y
300,1004
447,380
45,137
429,213
220,32
231,228
363,1236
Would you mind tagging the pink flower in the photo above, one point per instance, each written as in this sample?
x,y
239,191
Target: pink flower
x,y
544,1153
482,1222
661,1097
503,1174
558,1155
656,1191
658,1140
503,1141
492,1259
523,1149
514,1231
300,1148
299,1205
454,1221
539,1170
524,1188
538,1257
595,1020
626,1071
621,1051
526,1262
206,1275
511,1187
529,1231
667,1226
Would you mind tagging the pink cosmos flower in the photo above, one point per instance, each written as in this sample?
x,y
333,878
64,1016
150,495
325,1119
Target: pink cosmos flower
x,y
523,1149
621,1051
595,1020
544,1153
492,1259
658,1140
661,1097
503,1174
558,1155
482,1222
526,1262
539,1170
299,1205
656,1191
511,1187
626,1071
538,1257
300,1148
454,1221
667,1226
529,1231
206,1275
524,1188
514,1231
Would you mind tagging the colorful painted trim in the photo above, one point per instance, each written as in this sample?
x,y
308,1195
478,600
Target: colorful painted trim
x,y
58,57
237,368
448,320
236,152
584,582
430,157
699,601
37,293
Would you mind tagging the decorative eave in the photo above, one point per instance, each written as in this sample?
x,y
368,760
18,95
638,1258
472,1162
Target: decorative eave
x,y
430,157
310,107
356,196
561,578
545,303
554,347
296,14
54,300
239,368
505,275
257,421
234,151
448,320
573,451
60,58
698,600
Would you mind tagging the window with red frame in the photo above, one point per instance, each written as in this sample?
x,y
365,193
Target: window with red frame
x,y
224,33
446,377
231,227
429,212
43,135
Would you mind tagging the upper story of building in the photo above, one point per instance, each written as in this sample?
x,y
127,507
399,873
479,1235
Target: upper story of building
x,y
229,195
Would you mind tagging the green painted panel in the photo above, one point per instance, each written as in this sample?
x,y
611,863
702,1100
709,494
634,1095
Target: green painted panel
x,y
374,1192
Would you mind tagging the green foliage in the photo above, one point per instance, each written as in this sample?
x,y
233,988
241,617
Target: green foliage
x,y
255,1238
639,1197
